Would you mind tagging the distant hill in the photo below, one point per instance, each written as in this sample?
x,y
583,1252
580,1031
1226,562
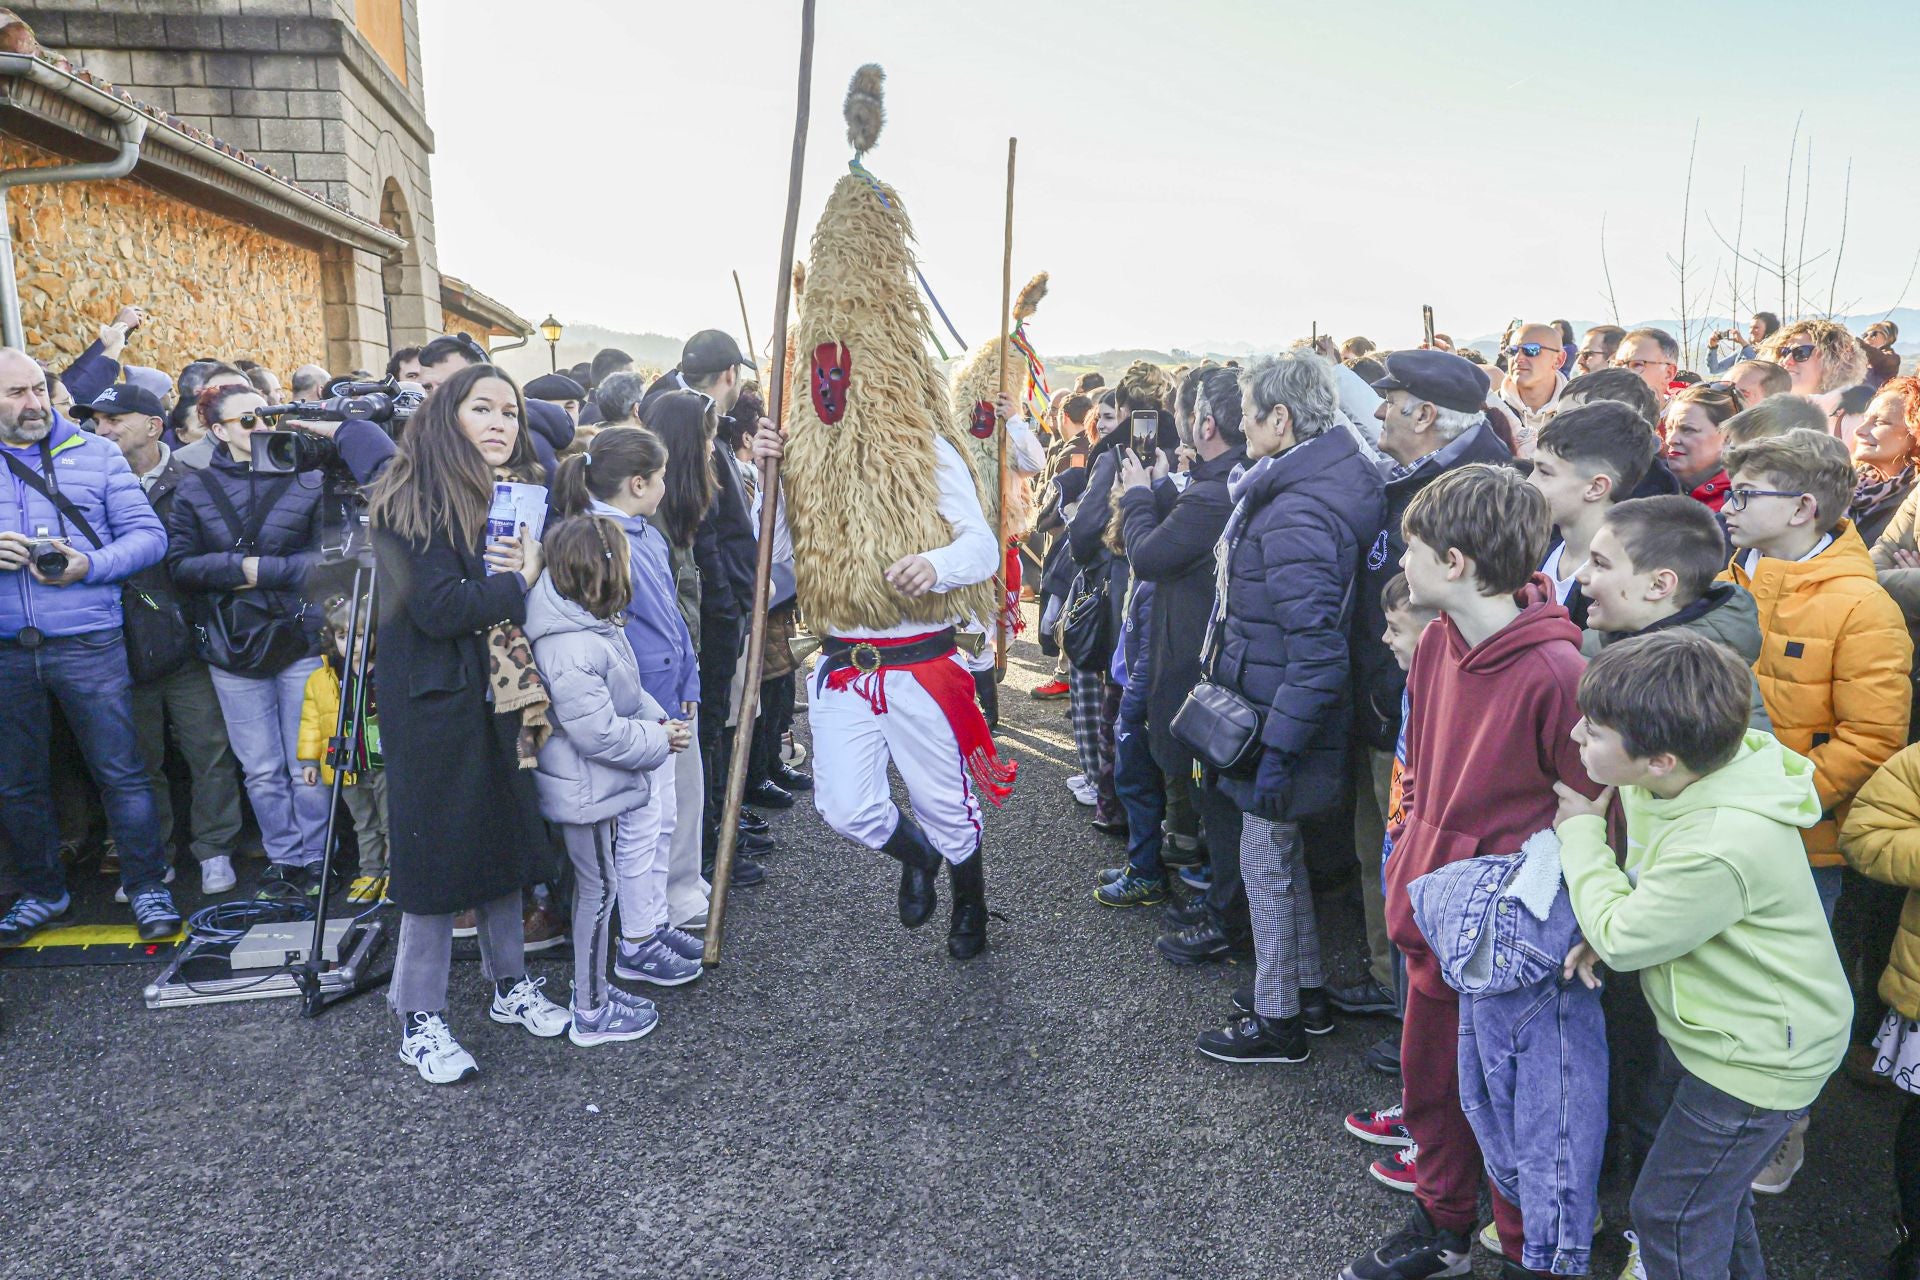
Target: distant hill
x,y
651,351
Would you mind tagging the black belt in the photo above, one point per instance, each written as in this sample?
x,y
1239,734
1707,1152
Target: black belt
x,y
837,654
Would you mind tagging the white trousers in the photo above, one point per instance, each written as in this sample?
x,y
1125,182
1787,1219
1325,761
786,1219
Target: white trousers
x,y
642,848
686,895
851,748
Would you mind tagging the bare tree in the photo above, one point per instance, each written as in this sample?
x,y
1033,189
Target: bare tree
x,y
1786,210
1680,264
1613,304
1800,259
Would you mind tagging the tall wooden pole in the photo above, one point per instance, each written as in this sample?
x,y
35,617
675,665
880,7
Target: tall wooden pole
x,y
769,502
746,325
1000,451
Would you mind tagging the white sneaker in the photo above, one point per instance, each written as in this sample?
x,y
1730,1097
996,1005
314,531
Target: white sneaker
x,y
428,1045
1083,791
216,876
120,893
1635,1269
532,1010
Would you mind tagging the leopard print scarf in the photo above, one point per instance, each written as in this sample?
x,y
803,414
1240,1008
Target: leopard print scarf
x,y
516,685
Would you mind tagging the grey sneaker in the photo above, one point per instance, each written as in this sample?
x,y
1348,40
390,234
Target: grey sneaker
x,y
651,960
637,1004
682,943
1786,1162
611,1022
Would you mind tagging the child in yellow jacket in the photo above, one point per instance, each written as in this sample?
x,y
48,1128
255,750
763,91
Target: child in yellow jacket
x,y
364,789
1835,657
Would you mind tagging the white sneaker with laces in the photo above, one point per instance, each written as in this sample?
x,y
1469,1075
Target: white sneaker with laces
x,y
428,1046
216,876
527,1006
120,893
1083,791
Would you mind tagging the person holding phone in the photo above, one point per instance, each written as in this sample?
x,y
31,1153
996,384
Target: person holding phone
x,y
464,826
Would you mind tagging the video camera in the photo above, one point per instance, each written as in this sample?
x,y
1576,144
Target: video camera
x,y
388,402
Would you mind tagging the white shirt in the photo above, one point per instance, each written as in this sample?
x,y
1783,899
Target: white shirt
x,y
1530,420
1024,454
1562,587
147,478
1750,560
973,555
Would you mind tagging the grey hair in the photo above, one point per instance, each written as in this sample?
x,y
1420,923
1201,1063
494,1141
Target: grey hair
x,y
1451,424
1301,381
617,395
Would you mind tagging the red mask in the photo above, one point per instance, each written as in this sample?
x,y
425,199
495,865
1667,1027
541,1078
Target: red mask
x,y
832,370
984,420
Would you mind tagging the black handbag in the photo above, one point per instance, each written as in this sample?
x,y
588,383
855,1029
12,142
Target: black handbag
x,y
158,639
1086,624
241,631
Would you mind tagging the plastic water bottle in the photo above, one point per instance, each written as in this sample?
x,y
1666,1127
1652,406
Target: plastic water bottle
x,y
500,521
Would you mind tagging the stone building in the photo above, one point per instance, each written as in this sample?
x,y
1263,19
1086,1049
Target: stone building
x,y
282,204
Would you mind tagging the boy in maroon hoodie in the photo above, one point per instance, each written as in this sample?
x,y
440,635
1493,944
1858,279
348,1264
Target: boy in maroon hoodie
x,y
1491,713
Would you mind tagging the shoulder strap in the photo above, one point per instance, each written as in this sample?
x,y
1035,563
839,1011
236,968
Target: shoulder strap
x,y
246,533
49,488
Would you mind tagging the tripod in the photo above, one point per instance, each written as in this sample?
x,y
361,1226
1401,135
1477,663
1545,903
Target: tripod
x,y
344,749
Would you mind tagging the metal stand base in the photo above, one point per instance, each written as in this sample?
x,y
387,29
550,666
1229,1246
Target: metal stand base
x,y
336,981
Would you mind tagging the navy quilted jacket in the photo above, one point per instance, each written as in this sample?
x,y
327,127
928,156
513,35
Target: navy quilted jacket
x,y
1302,521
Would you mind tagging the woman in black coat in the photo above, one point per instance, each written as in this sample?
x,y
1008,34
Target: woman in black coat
x,y
464,825
1305,510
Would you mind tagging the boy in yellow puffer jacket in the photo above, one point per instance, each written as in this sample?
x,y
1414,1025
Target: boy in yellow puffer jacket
x,y
1835,660
1881,838
365,789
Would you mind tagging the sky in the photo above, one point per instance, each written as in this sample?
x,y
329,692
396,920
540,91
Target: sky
x,y
1191,175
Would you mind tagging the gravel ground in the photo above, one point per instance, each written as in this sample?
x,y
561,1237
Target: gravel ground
x,y
839,1100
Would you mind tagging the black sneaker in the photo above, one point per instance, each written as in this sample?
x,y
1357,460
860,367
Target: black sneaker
x,y
283,880
746,872
1243,998
1364,996
1181,915
1417,1251
751,821
1315,1018
1383,1055
769,795
1202,943
1252,1038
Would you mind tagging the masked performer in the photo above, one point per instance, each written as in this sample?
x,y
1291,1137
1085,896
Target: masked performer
x,y
891,551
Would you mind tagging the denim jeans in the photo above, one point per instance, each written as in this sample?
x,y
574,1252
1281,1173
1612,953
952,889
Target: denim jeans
x,y
88,674
1143,794
1693,1204
263,724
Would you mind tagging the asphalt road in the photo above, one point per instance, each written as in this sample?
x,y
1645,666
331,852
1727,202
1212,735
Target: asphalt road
x,y
839,1100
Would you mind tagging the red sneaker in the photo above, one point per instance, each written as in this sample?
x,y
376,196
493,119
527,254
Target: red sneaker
x,y
1396,1169
1386,1128
1051,690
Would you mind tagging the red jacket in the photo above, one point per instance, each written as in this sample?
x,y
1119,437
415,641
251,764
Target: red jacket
x,y
1713,491
1488,734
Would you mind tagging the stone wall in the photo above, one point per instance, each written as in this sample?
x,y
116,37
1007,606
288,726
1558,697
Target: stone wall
x,y
82,250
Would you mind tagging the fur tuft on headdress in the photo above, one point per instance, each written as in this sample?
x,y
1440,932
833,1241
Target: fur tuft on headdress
x,y
863,108
799,277
1028,301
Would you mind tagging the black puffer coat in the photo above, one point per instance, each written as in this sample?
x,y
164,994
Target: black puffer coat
x,y
1307,517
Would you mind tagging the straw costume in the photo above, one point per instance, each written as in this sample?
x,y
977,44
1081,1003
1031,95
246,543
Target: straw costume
x,y
876,477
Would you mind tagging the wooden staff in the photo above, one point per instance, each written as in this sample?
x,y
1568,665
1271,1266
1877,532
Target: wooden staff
x,y
746,326
1000,444
769,502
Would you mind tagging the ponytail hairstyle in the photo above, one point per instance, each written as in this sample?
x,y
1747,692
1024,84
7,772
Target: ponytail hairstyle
x,y
614,456
685,422
589,563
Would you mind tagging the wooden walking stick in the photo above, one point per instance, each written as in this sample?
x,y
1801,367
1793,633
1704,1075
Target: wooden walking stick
x,y
746,325
1000,640
769,502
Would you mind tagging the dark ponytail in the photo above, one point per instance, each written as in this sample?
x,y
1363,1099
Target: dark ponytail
x,y
615,456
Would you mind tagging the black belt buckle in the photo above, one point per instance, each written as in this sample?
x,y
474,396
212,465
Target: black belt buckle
x,y
865,658
29,638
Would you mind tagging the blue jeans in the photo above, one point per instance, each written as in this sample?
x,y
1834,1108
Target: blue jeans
x,y
263,724
1143,794
88,674
1693,1204
1829,881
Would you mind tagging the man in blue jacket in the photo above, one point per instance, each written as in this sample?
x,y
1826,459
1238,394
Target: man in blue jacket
x,y
60,635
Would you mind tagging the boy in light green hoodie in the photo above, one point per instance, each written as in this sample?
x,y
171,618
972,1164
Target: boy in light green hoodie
x,y
1717,909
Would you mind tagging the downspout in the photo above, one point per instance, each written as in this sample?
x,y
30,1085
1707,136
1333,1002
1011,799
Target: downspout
x,y
132,129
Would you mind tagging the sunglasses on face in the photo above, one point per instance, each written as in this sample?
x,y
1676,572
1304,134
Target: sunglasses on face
x,y
1586,358
1737,499
1798,354
246,421
1527,349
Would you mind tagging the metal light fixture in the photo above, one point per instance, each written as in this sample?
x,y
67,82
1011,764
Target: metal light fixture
x,y
550,329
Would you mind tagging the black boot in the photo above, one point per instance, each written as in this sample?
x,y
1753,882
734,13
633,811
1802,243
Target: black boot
x,y
967,935
919,871
986,690
1904,1262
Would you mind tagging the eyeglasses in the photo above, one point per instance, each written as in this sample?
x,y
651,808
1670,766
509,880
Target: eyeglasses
x,y
1585,358
1527,349
1797,354
1639,366
246,420
1737,499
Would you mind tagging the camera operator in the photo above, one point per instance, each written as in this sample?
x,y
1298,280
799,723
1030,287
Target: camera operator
x,y
456,723
240,544
182,698
60,634
549,428
1763,326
